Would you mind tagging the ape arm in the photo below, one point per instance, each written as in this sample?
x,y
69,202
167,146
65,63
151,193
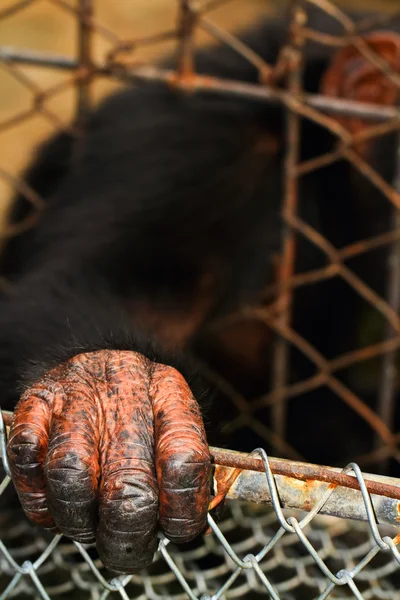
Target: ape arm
x,y
154,202
51,316
90,448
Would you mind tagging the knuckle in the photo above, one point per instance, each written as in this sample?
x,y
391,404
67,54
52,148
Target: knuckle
x,y
70,463
70,477
135,490
185,456
26,446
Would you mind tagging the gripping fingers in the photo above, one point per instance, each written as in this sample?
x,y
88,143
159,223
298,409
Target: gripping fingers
x,y
82,455
128,503
53,454
26,450
71,466
182,456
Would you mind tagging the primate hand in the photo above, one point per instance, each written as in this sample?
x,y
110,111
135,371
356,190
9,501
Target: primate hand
x,y
108,446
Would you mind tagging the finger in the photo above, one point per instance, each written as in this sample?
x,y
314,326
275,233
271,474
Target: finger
x,y
182,456
128,504
71,466
26,450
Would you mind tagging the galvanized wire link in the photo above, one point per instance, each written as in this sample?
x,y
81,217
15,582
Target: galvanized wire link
x,y
3,445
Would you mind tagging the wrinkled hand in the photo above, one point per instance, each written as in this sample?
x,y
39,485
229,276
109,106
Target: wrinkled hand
x,y
105,447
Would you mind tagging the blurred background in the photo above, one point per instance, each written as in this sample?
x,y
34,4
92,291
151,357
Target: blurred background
x,y
50,26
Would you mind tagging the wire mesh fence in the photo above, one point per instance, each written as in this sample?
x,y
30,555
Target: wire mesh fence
x,y
276,552
256,550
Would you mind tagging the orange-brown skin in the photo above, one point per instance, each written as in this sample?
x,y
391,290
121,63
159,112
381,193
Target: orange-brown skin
x,y
107,445
350,75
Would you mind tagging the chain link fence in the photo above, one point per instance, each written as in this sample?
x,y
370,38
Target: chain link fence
x,y
266,547
274,552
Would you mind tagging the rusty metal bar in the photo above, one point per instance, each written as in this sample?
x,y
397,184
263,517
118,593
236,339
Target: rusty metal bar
x,y
206,84
344,502
83,101
388,388
280,366
375,484
350,108
301,486
388,487
232,41
186,25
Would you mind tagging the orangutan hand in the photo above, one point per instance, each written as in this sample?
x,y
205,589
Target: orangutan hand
x,y
106,447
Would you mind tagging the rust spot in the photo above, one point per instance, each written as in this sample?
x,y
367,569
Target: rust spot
x,y
311,483
308,503
191,81
224,479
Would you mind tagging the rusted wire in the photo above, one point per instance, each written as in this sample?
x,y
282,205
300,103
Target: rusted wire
x,y
280,366
186,27
315,275
83,100
351,278
207,84
265,70
369,133
342,362
325,377
387,393
14,8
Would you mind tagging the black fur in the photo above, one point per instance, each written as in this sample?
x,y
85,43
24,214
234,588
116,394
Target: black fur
x,y
44,177
44,322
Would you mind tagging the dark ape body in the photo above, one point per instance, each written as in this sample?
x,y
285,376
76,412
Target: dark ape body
x,y
163,207
158,213
165,215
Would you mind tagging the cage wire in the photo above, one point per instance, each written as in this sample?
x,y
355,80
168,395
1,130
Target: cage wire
x,y
290,530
